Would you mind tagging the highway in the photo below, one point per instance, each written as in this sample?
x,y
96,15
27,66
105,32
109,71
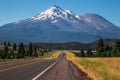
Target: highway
x,y
56,69
23,70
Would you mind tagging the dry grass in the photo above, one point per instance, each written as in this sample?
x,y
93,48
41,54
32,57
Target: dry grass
x,y
1,46
98,68
54,55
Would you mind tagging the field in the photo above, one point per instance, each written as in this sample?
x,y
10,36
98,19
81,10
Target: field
x,y
98,68
54,55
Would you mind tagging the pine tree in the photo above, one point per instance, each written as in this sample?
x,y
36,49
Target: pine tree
x,y
89,53
21,50
107,51
82,54
30,49
2,54
12,55
100,48
107,48
35,53
5,43
14,47
116,49
8,44
6,51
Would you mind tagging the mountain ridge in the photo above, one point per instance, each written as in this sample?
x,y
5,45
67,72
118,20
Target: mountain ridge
x,y
74,45
58,25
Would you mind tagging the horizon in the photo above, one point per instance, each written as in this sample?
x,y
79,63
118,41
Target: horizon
x,y
28,9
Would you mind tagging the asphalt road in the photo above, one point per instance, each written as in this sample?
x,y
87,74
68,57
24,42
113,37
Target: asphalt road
x,y
64,70
23,70
57,69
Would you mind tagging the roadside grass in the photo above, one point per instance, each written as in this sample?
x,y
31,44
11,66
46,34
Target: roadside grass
x,y
98,68
21,59
53,55
1,46
47,56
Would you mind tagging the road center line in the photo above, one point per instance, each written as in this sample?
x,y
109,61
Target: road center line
x,y
40,74
17,66
15,63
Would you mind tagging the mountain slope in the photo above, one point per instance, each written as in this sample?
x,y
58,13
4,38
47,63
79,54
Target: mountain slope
x,y
58,25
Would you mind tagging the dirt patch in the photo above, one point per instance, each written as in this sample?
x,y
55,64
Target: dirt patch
x,y
78,73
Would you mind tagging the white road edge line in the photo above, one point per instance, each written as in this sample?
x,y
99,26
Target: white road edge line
x,y
44,71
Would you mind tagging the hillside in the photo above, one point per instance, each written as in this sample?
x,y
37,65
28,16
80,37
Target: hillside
x,y
73,45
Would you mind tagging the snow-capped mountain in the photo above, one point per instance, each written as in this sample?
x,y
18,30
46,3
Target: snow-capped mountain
x,y
58,25
53,13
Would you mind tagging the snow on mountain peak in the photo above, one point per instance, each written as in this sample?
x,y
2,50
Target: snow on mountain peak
x,y
53,13
70,12
56,15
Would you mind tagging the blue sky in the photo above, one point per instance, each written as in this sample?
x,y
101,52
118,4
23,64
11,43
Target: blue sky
x,y
15,10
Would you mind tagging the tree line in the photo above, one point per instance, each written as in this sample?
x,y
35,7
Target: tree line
x,y
20,51
102,50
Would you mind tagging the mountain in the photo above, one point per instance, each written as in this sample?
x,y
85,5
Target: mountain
x,y
58,25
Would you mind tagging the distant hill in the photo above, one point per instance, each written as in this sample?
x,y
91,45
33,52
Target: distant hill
x,y
73,45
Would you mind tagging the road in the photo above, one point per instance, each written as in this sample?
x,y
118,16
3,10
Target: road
x,y
56,69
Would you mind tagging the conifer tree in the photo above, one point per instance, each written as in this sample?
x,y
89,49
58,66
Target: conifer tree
x,y
6,51
89,53
100,48
116,49
21,50
5,43
82,54
30,49
8,44
14,47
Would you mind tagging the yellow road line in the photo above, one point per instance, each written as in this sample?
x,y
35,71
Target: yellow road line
x,y
15,63
17,66
5,65
11,64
